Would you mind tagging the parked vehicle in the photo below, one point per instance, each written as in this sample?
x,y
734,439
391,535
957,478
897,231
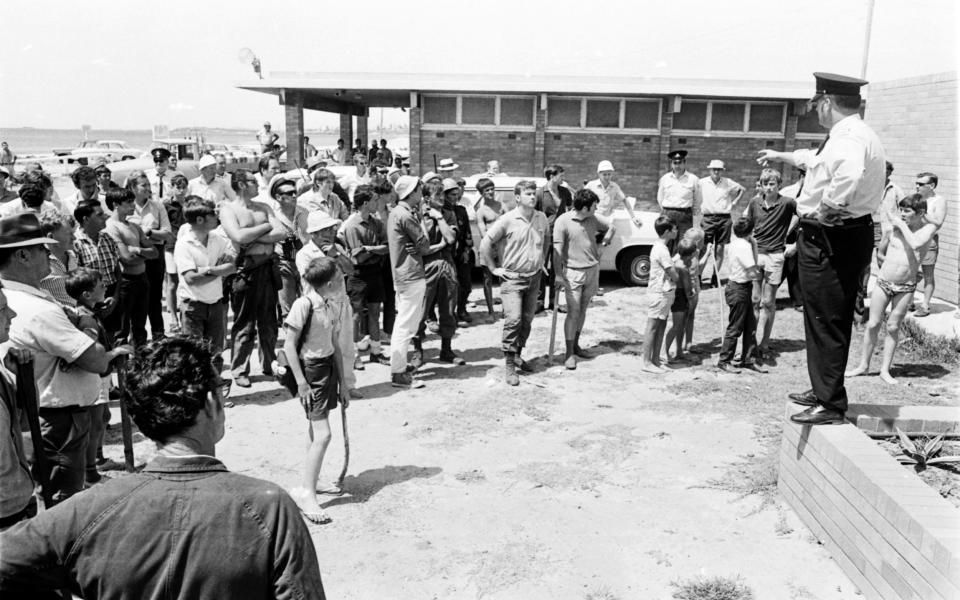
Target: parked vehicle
x,y
628,252
187,151
91,152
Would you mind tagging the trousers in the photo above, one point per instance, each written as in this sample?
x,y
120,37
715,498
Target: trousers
x,y
410,307
442,288
742,323
519,298
254,316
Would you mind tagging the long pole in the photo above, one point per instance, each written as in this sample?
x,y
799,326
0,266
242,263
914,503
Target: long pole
x,y
866,38
126,429
28,401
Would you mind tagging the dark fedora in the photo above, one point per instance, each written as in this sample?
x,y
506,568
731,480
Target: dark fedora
x,y
22,230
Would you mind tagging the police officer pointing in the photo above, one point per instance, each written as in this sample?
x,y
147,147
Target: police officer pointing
x,y
843,184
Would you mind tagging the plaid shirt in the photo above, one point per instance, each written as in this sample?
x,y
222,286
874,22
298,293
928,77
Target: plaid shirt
x,y
102,256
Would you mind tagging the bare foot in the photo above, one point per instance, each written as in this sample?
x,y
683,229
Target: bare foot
x,y
858,370
307,501
885,376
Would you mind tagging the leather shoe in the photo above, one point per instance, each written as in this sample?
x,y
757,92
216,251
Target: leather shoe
x,y
523,365
807,398
727,368
449,356
749,366
818,416
581,353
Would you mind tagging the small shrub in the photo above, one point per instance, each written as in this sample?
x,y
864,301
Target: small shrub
x,y
924,452
712,588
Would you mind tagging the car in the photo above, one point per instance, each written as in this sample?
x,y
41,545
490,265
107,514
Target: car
x,y
628,253
91,152
218,150
187,151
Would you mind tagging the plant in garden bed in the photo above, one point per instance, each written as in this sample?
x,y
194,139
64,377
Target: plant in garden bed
x,y
712,588
924,452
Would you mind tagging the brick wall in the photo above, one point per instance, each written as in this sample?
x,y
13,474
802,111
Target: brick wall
x,y
471,149
916,120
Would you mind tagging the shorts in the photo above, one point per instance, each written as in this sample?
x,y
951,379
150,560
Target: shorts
x,y
680,302
169,263
716,229
365,286
892,289
930,258
772,265
585,281
660,304
321,374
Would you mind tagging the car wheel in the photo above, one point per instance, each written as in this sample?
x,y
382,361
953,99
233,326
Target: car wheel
x,y
635,266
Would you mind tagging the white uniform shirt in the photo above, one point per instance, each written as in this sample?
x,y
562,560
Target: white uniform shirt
x,y
679,192
155,179
848,174
717,198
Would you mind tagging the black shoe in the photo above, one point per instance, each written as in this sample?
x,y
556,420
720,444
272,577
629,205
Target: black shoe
x,y
807,398
380,359
358,363
727,368
524,365
581,353
749,366
818,416
464,316
540,308
449,356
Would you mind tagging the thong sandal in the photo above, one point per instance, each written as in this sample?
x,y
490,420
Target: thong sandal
x,y
330,490
318,518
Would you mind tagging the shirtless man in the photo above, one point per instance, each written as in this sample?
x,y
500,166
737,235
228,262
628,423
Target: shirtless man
x,y
936,214
900,254
253,229
488,210
267,138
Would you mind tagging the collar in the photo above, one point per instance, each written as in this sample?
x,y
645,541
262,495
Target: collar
x,y
844,122
11,285
184,464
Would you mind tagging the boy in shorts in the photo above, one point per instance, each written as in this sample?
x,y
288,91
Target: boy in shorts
x,y
772,216
318,370
900,254
661,288
685,262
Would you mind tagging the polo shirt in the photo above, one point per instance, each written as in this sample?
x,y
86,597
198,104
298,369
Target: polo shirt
x,y
611,197
679,192
408,243
771,222
217,191
575,239
332,205
190,254
358,232
521,241
42,327
717,198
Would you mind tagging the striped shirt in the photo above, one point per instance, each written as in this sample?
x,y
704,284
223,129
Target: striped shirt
x,y
102,256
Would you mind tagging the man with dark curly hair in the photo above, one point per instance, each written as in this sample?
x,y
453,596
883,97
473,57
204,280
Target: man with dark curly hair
x,y
184,527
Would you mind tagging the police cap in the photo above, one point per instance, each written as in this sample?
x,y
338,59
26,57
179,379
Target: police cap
x,y
160,154
677,154
841,85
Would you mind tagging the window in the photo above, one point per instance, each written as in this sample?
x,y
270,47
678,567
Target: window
x,y
440,109
643,114
516,111
692,115
603,113
727,117
563,113
809,123
766,117
478,110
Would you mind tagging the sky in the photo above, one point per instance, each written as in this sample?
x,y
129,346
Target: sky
x,y
131,64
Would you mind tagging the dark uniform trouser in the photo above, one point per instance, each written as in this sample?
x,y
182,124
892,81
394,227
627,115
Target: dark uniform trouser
x,y
155,272
830,260
464,282
442,288
254,316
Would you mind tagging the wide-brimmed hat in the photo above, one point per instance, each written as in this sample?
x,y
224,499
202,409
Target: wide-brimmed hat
x,y
447,164
716,164
318,220
405,186
207,160
21,230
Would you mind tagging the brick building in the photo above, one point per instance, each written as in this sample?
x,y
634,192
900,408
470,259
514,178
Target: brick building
x,y
529,122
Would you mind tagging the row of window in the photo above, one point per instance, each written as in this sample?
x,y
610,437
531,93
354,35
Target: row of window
x,y
641,115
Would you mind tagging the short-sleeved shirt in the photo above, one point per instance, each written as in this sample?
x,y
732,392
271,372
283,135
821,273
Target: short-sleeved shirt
x,y
167,178
679,192
358,232
408,243
576,239
217,191
739,257
128,234
332,204
660,261
324,325
521,241
42,327
310,251
717,198
771,222
190,254
611,197
15,207
101,256
152,215
352,181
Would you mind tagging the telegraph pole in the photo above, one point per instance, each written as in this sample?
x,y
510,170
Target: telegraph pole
x,y
866,39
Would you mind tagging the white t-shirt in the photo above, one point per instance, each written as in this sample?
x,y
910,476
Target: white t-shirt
x,y
660,261
740,258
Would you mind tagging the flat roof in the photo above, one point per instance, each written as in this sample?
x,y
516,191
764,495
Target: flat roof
x,y
364,90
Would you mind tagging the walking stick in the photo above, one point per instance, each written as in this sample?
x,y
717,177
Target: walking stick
x,y
346,446
126,429
716,273
27,400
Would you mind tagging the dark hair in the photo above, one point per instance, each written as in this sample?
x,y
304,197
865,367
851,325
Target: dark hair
x,y
433,189
53,220
84,210
768,174
196,207
32,194
117,196
915,202
846,102
320,270
384,187
238,179
82,173
101,169
584,198
324,175
686,247
664,224
933,178
743,227
177,177
36,177
169,384
553,170
524,184
890,166
81,280
362,195
264,163
484,183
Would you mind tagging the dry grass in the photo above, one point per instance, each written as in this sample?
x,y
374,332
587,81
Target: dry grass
x,y
712,588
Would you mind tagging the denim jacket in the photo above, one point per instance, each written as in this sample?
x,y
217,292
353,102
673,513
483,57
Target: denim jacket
x,y
183,528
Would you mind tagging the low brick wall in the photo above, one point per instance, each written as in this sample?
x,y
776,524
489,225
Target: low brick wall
x,y
892,535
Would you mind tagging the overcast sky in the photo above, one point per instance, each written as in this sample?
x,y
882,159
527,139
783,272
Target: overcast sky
x,y
133,64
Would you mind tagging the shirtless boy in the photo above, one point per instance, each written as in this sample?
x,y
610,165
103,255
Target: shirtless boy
x,y
900,254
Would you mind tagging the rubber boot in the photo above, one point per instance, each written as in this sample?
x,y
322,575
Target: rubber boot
x,y
510,369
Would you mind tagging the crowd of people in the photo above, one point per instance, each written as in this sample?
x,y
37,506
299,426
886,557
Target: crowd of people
x,y
339,264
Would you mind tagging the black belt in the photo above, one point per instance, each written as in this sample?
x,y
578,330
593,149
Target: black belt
x,y
853,222
709,214
686,210
71,408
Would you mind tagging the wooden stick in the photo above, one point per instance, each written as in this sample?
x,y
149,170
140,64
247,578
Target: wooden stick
x,y
28,402
346,446
126,429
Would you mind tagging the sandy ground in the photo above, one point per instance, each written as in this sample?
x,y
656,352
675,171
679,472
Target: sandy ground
x,y
595,483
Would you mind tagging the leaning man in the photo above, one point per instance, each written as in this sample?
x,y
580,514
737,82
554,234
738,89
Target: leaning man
x,y
184,527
